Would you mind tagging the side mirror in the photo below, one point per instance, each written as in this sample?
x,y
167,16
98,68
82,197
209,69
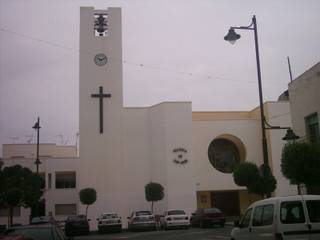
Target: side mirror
x,y
236,223
89,220
97,219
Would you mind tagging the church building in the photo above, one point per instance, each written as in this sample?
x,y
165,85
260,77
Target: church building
x,y
191,154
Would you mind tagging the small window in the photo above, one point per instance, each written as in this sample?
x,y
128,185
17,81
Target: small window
x,y
313,207
246,219
65,180
312,128
292,212
65,209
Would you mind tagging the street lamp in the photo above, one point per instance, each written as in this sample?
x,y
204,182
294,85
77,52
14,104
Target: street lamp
x,y
37,127
37,162
232,37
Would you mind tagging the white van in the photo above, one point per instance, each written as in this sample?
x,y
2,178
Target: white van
x,y
280,218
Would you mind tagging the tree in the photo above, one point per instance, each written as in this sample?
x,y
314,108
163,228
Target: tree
x,y
153,192
87,197
300,163
248,175
16,184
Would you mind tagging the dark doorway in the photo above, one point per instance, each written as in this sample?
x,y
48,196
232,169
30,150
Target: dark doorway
x,y
226,201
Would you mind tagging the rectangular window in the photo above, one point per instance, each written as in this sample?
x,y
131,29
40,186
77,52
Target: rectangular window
x,y
65,180
313,207
292,212
312,127
49,180
4,212
65,209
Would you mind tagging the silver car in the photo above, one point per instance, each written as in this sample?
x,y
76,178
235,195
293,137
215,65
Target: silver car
x,y
109,222
140,220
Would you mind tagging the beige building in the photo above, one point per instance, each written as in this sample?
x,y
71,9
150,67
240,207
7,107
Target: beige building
x,y
305,104
191,154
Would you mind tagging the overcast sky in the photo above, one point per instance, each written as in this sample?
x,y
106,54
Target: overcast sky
x,y
173,51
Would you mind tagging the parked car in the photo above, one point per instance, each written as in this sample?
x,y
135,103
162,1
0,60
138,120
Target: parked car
x,y
141,220
109,222
46,231
280,218
77,225
43,220
174,219
205,217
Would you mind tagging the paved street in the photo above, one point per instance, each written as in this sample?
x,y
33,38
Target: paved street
x,y
190,234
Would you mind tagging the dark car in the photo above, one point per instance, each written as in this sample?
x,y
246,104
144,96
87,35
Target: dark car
x,y
37,232
77,225
205,217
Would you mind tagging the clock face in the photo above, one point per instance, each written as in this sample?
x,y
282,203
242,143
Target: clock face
x,y
100,59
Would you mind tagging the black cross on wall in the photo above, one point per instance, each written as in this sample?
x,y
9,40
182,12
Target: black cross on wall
x,y
101,95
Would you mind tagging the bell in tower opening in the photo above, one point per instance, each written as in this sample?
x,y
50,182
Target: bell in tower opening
x,y
101,25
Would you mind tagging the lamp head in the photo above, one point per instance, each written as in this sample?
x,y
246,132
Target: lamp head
x,y
232,36
290,136
36,126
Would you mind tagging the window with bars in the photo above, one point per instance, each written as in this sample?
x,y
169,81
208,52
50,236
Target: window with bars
x,y
65,180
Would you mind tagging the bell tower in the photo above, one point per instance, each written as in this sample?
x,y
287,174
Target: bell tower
x,y
101,109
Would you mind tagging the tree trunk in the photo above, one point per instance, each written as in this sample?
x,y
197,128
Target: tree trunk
x,y
87,211
152,207
10,216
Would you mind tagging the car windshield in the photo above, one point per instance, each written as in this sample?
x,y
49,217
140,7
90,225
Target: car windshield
x,y
108,216
34,233
212,210
176,212
142,213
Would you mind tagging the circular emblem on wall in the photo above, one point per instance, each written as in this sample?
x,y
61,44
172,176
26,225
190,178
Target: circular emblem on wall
x,y
100,59
180,156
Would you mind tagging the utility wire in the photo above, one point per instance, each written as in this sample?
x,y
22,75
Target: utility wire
x,y
141,65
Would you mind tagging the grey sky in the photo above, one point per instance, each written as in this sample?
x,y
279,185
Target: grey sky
x,y
39,42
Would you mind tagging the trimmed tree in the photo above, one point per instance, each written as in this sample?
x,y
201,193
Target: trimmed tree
x,y
88,196
153,192
17,183
248,175
300,163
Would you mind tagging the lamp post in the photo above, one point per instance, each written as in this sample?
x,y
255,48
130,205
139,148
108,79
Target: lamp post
x,y
37,127
232,37
37,162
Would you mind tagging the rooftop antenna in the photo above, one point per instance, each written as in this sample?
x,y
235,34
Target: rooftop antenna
x,y
14,139
29,138
290,72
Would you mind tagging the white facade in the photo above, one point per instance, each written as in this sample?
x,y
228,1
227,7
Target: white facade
x,y
166,143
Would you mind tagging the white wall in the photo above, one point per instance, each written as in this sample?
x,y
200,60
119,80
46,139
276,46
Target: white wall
x,y
278,114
